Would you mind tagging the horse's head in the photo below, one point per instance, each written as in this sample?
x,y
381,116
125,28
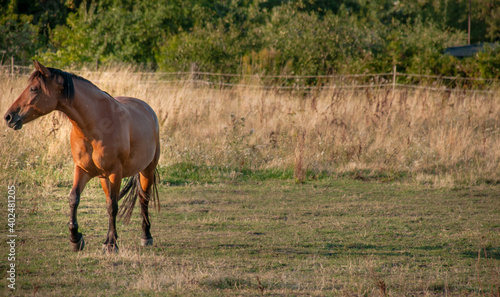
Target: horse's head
x,y
40,97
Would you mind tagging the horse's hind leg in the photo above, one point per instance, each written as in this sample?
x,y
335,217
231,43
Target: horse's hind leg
x,y
111,187
147,180
80,179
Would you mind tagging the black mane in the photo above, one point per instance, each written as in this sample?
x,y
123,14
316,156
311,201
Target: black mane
x,y
69,88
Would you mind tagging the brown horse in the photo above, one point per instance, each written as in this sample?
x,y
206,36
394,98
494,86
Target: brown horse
x,y
112,138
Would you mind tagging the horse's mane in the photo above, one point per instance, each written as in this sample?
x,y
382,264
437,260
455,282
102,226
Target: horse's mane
x,y
69,88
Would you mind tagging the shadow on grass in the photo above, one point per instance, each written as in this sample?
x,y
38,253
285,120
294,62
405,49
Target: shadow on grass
x,y
226,282
366,249
491,253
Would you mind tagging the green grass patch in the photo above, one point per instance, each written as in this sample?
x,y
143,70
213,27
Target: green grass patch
x,y
187,173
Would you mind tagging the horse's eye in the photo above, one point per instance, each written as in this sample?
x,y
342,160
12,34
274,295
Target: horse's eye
x,y
34,89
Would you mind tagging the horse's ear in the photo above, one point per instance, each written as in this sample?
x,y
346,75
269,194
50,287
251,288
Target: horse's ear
x,y
41,68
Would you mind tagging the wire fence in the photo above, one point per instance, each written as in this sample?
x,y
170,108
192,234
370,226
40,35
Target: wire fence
x,y
303,83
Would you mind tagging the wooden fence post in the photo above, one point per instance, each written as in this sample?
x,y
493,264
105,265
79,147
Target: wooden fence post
x,y
12,66
394,79
394,76
193,75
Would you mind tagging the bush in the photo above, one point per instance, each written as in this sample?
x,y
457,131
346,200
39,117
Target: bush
x,y
18,37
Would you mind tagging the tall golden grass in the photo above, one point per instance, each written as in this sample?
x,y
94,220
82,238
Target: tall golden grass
x,y
440,138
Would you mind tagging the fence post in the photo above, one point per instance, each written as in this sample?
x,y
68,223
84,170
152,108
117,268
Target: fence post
x,y
193,77
394,79
12,66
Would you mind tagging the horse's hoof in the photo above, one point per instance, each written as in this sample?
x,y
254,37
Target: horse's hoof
x,y
147,241
77,246
109,248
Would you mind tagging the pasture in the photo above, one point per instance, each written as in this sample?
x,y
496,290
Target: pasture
x,y
331,237
334,193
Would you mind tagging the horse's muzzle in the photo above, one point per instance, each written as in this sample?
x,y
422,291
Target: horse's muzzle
x,y
13,120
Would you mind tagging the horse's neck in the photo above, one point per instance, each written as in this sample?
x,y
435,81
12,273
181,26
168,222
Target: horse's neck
x,y
87,109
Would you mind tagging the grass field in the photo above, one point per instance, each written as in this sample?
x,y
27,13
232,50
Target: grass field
x,y
330,237
333,193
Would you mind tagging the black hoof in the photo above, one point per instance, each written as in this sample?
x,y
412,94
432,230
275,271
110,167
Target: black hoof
x,y
147,241
109,249
79,245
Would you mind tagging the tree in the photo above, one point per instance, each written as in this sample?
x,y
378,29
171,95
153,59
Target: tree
x,y
18,37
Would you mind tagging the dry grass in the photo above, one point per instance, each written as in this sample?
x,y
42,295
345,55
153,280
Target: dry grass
x,y
437,138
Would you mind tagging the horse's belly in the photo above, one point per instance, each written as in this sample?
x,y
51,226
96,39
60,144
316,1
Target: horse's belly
x,y
140,157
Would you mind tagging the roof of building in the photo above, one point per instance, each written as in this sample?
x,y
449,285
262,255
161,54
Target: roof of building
x,y
468,50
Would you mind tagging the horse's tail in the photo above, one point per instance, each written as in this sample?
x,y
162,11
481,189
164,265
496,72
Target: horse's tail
x,y
132,190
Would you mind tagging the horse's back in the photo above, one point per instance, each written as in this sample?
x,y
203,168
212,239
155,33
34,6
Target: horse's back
x,y
137,108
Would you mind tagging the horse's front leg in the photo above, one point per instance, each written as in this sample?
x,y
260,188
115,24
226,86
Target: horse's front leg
x,y
80,179
111,187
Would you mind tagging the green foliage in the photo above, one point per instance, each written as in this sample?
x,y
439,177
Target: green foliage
x,y
286,40
18,37
485,64
254,36
25,25
114,31
221,35
422,46
308,43
74,41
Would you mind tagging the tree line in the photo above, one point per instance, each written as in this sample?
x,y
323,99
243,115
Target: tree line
x,y
255,36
